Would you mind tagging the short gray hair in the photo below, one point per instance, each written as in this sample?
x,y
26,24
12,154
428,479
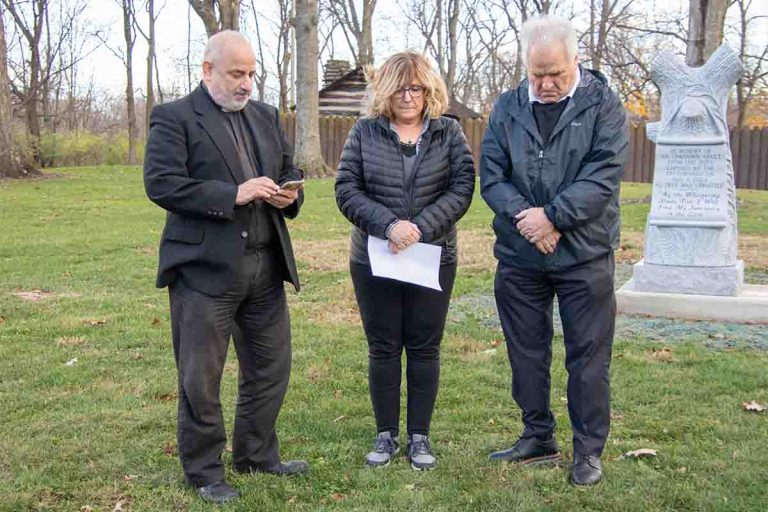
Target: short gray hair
x,y
221,40
548,29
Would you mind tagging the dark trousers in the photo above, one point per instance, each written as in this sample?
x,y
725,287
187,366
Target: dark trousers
x,y
588,311
255,312
399,315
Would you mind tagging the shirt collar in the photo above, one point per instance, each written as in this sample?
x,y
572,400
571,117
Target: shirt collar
x,y
535,99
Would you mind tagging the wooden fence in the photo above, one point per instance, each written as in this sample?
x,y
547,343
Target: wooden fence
x,y
749,147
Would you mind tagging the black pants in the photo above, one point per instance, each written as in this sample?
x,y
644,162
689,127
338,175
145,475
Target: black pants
x,y
255,312
588,312
399,315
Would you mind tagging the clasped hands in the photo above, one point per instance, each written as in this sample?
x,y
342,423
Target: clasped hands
x,y
402,235
534,225
264,188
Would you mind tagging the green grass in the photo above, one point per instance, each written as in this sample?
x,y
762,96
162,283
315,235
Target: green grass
x,y
103,430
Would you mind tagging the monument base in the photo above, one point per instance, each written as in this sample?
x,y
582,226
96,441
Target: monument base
x,y
725,281
751,306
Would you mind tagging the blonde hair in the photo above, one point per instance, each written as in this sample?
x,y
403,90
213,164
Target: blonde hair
x,y
400,70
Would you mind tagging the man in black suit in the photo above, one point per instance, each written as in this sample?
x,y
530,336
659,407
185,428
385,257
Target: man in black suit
x,y
214,161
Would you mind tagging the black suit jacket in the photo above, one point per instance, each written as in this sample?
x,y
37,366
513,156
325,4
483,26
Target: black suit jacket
x,y
192,170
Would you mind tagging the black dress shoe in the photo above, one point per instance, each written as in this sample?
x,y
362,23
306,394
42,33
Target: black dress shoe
x,y
288,468
219,492
531,451
587,470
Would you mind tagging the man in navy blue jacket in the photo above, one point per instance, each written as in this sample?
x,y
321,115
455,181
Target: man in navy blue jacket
x,y
550,170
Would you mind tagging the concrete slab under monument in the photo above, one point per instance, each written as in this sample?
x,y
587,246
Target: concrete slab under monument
x,y
750,306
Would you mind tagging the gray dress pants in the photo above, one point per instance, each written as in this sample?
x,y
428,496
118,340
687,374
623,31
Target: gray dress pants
x,y
254,311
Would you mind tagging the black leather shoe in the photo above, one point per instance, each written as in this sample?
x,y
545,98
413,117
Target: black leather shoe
x,y
288,468
530,451
219,492
587,470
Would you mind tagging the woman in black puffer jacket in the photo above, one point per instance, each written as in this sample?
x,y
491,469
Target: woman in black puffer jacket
x,y
406,174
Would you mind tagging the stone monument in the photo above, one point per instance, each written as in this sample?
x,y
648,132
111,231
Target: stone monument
x,y
691,235
690,241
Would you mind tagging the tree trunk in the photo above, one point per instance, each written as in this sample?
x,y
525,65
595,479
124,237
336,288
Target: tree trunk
x,y
706,21
453,26
365,43
229,14
150,66
130,102
308,155
10,161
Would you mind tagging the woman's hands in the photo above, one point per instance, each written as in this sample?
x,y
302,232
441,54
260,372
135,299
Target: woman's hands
x,y
402,235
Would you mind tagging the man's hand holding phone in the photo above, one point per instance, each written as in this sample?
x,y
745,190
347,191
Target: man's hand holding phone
x,y
286,194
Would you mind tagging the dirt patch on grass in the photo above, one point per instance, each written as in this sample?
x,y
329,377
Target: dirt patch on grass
x,y
476,251
323,255
469,349
341,310
37,295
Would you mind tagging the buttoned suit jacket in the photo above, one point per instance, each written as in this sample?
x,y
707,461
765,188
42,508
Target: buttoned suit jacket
x,y
192,170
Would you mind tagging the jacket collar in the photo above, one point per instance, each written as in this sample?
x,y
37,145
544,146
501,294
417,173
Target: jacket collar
x,y
434,124
589,92
211,118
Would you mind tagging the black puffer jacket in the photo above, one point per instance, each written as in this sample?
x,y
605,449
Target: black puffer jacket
x,y
372,193
575,176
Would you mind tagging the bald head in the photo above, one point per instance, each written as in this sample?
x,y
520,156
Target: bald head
x,y
228,68
224,41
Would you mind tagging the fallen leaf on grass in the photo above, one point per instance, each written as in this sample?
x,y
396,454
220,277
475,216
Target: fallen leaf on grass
x,y
753,406
639,454
130,478
490,351
121,502
410,487
167,397
662,354
155,321
491,422
95,323
337,496
616,416
340,418
86,508
292,499
495,343
71,362
2,319
337,394
136,356
169,448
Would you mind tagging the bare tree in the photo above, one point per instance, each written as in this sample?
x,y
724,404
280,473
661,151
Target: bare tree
x,y
284,55
129,34
755,64
152,69
308,154
438,23
218,15
706,20
29,91
11,165
261,64
358,31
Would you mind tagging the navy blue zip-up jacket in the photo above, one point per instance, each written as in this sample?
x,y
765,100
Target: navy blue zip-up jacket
x,y
575,176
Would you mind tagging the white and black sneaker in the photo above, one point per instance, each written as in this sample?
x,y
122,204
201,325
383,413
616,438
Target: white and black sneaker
x,y
385,448
420,452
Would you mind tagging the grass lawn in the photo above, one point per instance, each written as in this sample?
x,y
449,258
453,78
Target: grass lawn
x,y
88,383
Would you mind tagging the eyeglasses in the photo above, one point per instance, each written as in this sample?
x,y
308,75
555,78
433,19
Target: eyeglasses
x,y
416,91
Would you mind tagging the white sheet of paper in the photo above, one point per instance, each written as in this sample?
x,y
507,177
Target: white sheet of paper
x,y
418,264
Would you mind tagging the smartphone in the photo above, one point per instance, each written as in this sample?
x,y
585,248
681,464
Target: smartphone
x,y
292,185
